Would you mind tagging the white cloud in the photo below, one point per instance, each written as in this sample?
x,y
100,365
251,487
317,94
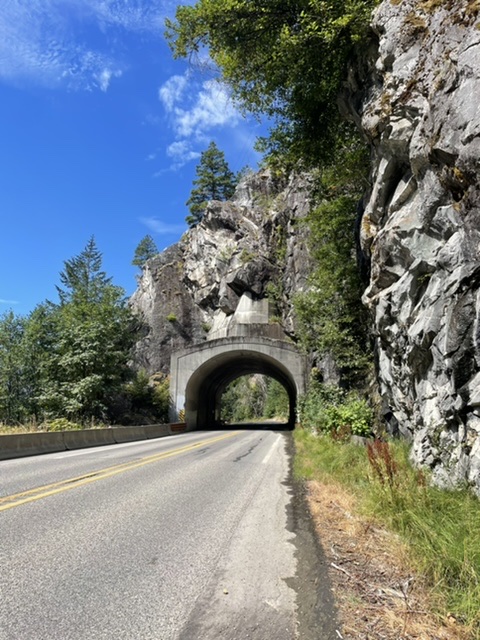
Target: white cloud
x,y
47,41
213,108
172,91
181,152
163,228
103,78
195,110
3,301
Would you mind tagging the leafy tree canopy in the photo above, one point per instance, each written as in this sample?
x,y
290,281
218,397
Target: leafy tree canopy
x,y
214,181
284,58
145,250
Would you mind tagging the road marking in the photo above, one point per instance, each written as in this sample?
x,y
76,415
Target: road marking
x,y
272,449
31,495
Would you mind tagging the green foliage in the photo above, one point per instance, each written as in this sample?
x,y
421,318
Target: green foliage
x,y
145,250
83,343
330,409
441,528
283,58
254,397
214,181
246,256
82,277
148,399
62,424
277,403
161,399
331,317
13,373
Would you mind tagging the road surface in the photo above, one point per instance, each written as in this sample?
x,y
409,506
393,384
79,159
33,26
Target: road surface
x,y
190,537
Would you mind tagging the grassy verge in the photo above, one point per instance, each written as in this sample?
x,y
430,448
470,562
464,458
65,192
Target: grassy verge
x,y
441,529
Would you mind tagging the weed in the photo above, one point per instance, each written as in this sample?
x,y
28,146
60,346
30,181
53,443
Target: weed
x,y
246,256
381,460
440,528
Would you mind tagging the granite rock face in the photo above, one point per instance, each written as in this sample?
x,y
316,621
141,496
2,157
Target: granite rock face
x,y
236,271
421,227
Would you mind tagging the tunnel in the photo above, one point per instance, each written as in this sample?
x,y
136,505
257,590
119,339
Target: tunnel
x,y
201,373
206,386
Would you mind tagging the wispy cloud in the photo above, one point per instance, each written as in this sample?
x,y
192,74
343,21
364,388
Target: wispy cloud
x,y
71,42
195,110
172,91
213,107
162,228
181,152
3,301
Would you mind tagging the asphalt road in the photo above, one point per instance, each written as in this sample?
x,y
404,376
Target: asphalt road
x,y
190,537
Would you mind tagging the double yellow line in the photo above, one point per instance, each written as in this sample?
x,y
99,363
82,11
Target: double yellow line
x,y
24,497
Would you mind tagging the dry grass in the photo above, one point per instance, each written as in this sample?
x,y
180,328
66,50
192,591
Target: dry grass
x,y
379,596
6,430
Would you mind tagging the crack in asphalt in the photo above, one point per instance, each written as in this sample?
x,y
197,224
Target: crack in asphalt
x,y
252,448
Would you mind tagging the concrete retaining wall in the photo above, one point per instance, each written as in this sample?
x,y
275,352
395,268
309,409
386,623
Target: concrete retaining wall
x,y
30,444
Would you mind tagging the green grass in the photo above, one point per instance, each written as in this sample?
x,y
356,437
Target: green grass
x,y
441,528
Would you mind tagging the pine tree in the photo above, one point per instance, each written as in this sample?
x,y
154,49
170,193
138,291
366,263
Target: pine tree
x,y
214,181
94,332
145,250
83,279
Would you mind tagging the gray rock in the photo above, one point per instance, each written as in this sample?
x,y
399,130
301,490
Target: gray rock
x,y
225,269
421,228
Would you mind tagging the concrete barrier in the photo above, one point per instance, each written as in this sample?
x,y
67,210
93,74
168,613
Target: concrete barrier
x,y
129,434
29,444
158,430
87,438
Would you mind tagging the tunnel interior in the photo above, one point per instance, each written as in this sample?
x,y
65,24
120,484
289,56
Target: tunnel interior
x,y
206,385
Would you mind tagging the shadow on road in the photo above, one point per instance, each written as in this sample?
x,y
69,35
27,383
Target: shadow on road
x,y
269,425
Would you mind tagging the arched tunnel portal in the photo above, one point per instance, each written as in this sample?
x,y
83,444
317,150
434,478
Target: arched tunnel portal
x,y
200,374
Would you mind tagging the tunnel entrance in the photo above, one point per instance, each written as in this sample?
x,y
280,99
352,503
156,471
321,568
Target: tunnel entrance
x,y
203,398
201,374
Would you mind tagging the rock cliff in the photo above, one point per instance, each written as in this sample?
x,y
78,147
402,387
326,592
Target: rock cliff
x,y
235,272
415,96
418,106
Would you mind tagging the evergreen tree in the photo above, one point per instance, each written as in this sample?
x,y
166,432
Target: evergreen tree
x,y
145,250
82,277
214,181
88,360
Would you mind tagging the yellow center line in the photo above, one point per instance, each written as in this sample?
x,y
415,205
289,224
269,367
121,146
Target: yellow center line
x,y
24,497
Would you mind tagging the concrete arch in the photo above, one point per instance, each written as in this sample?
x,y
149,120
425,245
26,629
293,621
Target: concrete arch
x,y
199,374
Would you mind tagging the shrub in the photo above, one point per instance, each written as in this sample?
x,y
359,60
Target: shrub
x,y
328,409
62,424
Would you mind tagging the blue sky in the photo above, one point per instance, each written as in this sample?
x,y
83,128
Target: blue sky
x,y
101,131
